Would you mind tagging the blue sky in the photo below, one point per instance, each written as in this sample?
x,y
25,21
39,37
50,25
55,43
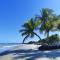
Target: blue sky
x,y
13,13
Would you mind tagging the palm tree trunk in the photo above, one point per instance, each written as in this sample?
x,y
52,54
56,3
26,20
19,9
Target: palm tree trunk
x,y
47,37
37,35
24,39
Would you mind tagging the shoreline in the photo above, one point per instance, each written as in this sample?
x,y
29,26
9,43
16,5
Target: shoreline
x,y
29,52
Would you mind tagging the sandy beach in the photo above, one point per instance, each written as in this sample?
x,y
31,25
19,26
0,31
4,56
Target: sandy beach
x,y
29,52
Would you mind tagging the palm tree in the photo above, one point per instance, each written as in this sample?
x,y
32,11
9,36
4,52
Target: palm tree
x,y
47,17
47,28
56,23
28,29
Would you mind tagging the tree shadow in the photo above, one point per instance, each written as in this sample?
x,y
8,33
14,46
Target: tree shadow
x,y
15,52
34,54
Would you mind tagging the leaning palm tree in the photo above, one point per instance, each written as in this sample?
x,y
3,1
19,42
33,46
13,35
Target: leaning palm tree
x,y
28,29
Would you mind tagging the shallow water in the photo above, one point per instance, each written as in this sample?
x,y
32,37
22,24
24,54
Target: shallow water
x,y
4,47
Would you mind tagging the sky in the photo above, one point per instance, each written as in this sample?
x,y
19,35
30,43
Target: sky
x,y
14,13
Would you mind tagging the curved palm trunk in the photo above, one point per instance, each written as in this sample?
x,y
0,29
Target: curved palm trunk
x,y
24,39
37,35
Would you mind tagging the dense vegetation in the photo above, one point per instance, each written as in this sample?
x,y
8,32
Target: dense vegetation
x,y
45,22
52,40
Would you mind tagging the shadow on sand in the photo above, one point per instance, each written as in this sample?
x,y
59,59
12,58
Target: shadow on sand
x,y
32,54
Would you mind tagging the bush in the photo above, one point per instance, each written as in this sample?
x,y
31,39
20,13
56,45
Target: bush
x,y
52,40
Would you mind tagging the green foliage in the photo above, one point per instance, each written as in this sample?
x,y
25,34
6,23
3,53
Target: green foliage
x,y
28,29
47,27
53,39
42,42
37,23
47,21
46,14
58,26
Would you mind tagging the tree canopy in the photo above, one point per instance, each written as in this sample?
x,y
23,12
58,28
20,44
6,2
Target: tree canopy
x,y
45,22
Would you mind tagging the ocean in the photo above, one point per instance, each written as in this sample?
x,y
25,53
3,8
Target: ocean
x,y
7,46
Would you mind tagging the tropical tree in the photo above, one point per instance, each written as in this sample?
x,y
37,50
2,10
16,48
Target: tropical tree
x,y
47,28
47,18
45,22
29,29
56,22
53,39
45,15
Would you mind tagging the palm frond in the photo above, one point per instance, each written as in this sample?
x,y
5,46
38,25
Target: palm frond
x,y
31,23
37,23
32,35
24,33
22,30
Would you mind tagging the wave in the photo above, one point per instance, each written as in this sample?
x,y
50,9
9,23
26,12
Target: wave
x,y
4,48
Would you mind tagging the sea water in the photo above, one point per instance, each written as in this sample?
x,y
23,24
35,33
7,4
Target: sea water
x,y
7,46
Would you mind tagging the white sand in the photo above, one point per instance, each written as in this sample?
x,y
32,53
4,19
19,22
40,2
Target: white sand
x,y
30,52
